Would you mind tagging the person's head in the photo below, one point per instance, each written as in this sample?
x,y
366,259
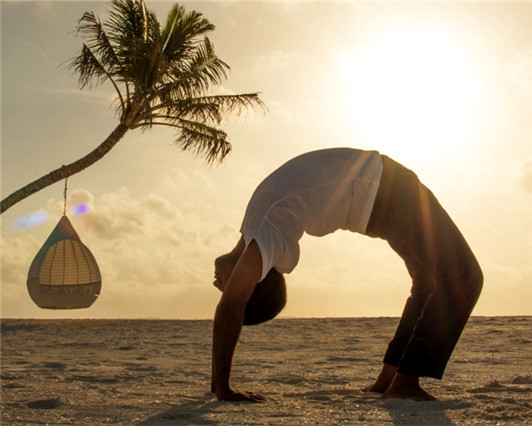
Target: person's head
x,y
269,295
268,299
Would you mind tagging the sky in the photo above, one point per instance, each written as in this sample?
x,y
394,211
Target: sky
x,y
443,88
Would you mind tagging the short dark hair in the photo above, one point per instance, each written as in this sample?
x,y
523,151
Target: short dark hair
x,y
267,300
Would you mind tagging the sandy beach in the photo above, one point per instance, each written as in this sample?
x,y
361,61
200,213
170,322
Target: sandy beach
x,y
157,372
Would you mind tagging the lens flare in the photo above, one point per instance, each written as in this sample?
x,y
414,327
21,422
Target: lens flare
x,y
80,209
30,220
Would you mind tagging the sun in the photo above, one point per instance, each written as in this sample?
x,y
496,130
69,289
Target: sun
x,y
412,91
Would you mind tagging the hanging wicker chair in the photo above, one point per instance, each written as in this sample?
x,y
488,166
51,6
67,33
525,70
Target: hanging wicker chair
x,y
64,273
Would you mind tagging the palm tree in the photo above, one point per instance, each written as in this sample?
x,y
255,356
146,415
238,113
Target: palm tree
x,y
161,75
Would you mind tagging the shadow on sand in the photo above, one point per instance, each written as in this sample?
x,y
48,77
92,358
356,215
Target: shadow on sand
x,y
206,411
406,412
193,412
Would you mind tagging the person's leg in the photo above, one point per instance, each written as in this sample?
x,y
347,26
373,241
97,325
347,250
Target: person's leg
x,y
457,285
412,311
446,277
422,287
388,218
457,282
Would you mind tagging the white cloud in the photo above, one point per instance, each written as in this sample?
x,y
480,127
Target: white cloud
x,y
276,61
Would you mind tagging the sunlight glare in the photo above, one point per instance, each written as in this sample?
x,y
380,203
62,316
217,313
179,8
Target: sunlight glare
x,y
412,92
30,220
80,209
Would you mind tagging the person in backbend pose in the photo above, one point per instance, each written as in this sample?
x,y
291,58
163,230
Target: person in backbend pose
x,y
362,191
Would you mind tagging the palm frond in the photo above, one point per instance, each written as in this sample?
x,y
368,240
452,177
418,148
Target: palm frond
x,y
196,74
197,109
208,109
127,21
237,103
91,29
208,69
203,140
181,30
135,33
97,61
88,67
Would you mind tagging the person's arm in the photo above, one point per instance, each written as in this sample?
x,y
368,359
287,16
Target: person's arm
x,y
228,323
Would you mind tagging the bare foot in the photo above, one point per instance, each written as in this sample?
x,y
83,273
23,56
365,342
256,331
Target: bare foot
x,y
414,394
383,381
407,387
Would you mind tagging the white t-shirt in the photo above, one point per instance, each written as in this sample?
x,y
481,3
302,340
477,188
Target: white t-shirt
x,y
318,193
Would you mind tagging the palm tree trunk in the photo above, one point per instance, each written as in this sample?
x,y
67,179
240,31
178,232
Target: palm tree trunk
x,y
65,171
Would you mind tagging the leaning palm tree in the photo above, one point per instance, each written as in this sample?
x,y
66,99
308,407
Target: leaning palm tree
x,y
161,75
